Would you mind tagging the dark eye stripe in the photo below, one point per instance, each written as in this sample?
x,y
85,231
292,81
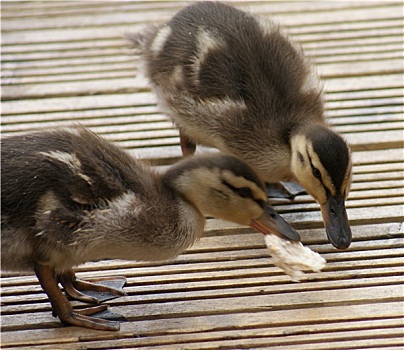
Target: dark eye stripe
x,y
243,192
233,188
248,193
315,171
300,156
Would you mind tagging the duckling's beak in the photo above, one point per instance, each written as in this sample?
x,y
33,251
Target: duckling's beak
x,y
271,222
336,222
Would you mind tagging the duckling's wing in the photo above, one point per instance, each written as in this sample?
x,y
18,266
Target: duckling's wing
x,y
93,171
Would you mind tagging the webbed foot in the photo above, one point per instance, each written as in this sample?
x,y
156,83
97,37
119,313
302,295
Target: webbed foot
x,y
90,292
81,318
283,189
62,308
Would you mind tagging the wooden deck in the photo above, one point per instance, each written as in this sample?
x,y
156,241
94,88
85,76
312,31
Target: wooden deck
x,y
66,62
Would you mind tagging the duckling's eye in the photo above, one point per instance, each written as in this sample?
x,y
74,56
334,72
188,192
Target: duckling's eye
x,y
244,192
316,173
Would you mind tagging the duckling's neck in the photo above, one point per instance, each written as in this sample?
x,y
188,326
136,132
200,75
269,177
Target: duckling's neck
x,y
190,180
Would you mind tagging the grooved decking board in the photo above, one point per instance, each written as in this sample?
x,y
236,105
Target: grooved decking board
x,y
67,61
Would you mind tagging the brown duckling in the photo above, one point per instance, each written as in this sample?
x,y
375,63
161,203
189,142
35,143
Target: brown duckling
x,y
231,80
69,196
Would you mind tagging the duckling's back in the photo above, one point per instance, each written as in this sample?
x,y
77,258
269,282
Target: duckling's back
x,y
219,70
79,165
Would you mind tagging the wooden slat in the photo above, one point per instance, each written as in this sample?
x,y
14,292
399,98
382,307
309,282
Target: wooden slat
x,y
118,19
270,319
370,48
122,85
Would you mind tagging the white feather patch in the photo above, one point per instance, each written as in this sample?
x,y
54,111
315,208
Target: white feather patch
x,y
160,39
70,160
293,257
205,42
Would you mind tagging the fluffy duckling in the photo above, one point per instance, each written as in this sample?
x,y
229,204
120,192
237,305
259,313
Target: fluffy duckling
x,y
68,197
232,80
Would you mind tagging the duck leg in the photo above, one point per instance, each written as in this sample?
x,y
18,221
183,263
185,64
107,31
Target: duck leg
x,y
284,190
188,147
108,288
62,307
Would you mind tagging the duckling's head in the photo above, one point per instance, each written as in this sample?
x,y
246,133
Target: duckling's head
x,y
321,162
225,187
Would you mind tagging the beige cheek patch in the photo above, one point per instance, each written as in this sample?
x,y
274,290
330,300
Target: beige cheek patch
x,y
326,180
346,185
304,171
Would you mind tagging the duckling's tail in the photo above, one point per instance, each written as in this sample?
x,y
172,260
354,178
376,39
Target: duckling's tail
x,y
139,40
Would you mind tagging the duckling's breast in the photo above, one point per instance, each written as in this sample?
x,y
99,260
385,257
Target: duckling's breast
x,y
271,166
16,249
136,229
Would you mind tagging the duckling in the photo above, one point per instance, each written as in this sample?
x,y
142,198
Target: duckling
x,y
69,196
232,80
